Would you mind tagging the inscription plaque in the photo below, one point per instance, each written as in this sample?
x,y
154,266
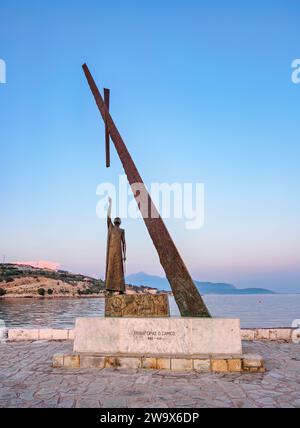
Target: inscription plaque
x,y
153,336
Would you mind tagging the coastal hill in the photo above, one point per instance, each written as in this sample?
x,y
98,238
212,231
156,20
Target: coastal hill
x,y
29,281
203,287
18,280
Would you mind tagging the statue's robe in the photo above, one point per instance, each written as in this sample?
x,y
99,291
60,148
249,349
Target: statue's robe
x,y
114,276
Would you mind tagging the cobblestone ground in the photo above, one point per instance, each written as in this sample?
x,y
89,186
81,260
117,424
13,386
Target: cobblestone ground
x,y
28,380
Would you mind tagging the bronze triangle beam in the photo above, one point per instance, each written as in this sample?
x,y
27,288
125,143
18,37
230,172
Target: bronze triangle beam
x,y
187,296
107,152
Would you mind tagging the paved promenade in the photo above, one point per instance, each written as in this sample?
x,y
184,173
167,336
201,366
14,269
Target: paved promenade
x,y
28,380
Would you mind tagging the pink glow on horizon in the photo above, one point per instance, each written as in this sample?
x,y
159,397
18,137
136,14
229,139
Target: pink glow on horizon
x,y
45,264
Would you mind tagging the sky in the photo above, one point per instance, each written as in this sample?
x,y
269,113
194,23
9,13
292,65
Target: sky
x,y
201,91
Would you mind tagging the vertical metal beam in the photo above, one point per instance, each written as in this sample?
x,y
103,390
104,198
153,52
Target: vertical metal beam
x,y
185,292
107,148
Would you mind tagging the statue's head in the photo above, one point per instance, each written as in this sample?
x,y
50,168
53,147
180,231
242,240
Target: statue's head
x,y
117,221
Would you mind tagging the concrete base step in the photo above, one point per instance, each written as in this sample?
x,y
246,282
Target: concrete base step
x,y
201,363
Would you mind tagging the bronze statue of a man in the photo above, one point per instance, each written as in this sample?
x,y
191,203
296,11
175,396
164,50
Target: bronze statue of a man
x,y
115,254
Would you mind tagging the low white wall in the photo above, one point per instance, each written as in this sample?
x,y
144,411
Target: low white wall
x,y
267,334
18,334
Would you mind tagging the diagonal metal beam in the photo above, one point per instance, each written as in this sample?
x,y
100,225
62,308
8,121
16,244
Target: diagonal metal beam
x,y
184,290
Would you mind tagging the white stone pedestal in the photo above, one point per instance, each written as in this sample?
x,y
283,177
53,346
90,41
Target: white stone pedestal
x,y
159,336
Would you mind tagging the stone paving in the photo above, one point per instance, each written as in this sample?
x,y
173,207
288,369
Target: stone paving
x,y
28,380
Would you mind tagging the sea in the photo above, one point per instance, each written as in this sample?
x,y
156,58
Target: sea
x,y
261,310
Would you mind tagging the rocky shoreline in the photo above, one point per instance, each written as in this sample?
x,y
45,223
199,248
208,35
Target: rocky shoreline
x,y
27,296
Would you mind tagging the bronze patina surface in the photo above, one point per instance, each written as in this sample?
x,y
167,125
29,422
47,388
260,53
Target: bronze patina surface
x,y
115,254
137,305
107,148
185,292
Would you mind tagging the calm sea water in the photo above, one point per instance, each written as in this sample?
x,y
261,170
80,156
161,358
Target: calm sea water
x,y
275,310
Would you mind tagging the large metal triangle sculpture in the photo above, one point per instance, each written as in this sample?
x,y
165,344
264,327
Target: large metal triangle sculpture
x,y
187,297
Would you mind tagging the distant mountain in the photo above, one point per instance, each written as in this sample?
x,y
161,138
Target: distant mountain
x,y
20,280
142,278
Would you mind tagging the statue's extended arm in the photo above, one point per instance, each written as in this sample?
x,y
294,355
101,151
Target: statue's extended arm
x,y
124,245
109,212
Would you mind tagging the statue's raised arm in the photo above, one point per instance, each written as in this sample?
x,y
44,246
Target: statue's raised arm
x,y
109,222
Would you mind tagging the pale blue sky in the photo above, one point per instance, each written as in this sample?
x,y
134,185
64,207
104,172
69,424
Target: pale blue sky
x,y
201,91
